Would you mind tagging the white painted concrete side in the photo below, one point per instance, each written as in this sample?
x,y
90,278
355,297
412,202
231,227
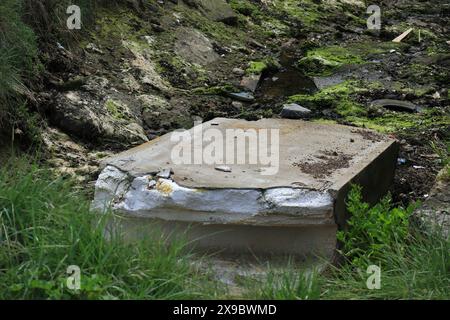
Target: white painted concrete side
x,y
154,197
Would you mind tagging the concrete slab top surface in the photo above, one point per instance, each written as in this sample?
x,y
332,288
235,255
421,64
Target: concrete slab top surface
x,y
312,155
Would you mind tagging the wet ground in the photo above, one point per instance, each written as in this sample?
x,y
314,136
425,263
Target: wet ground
x,y
289,80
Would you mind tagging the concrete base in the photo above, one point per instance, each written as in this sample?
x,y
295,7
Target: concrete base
x,y
295,211
304,241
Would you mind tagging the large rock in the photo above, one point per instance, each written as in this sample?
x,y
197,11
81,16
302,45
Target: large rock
x,y
251,82
293,204
159,114
144,65
217,10
194,47
84,115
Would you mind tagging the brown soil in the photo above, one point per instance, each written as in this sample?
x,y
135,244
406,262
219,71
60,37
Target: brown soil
x,y
416,176
328,162
368,135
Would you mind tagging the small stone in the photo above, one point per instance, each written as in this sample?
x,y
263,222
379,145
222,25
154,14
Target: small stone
x,y
251,82
223,168
150,40
242,96
93,48
165,173
238,71
237,105
295,111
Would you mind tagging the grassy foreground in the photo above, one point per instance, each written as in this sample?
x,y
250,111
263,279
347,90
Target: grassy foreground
x,y
46,226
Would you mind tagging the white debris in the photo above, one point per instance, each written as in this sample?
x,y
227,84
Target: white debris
x,y
223,168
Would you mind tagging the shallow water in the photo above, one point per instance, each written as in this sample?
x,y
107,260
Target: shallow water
x,y
284,83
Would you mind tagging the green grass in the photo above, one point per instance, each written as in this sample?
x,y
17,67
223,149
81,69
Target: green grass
x,y
18,56
416,269
414,264
286,284
46,226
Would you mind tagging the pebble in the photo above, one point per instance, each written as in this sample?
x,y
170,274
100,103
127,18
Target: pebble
x,y
223,168
294,111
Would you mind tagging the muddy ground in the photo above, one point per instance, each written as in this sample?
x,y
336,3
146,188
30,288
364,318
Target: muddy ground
x,y
145,69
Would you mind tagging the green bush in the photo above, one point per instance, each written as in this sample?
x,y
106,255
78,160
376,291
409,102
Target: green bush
x,y
413,264
372,230
416,269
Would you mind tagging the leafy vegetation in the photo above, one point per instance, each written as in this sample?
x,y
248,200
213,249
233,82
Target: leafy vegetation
x,y
372,230
414,265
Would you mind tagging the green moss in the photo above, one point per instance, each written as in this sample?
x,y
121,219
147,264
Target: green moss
x,y
215,30
326,60
343,99
118,25
253,115
338,97
116,109
245,7
216,90
444,175
306,10
419,32
260,21
358,20
416,90
398,121
424,74
256,67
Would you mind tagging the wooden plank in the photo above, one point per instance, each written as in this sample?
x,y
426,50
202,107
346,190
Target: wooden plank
x,y
403,35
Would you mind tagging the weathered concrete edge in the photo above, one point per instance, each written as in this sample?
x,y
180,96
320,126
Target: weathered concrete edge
x,y
251,206
377,177
158,198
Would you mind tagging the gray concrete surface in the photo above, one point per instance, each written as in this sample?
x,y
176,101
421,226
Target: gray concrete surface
x,y
295,210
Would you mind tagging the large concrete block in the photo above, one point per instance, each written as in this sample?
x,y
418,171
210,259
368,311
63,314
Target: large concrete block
x,y
292,204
